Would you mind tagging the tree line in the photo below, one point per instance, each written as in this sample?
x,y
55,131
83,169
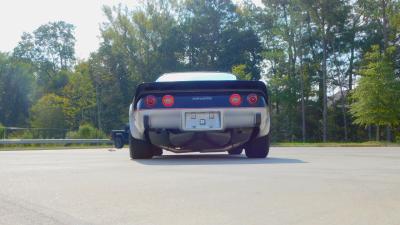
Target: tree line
x,y
331,66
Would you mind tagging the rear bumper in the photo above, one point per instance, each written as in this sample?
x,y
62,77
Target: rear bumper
x,y
172,119
210,141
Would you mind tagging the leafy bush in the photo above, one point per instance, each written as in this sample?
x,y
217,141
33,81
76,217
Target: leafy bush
x,y
23,134
397,136
48,112
86,131
2,130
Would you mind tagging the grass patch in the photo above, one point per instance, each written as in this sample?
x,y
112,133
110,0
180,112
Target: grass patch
x,y
26,147
335,144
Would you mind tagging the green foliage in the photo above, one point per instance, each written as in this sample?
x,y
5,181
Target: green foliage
x,y
397,136
136,46
377,96
53,43
240,72
23,134
2,131
86,131
217,37
48,113
81,96
16,87
145,41
50,49
294,44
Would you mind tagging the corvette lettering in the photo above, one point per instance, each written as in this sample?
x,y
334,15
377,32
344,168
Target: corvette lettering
x,y
202,98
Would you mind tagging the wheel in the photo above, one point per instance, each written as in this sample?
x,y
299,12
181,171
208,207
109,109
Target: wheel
x,y
140,149
157,151
236,151
258,148
118,142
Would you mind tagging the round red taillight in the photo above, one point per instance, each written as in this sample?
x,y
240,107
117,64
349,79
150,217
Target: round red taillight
x,y
235,99
252,98
150,101
168,100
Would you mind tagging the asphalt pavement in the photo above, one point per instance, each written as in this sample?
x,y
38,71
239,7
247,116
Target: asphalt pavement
x,y
309,186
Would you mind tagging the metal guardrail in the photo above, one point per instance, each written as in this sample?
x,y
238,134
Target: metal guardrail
x,y
54,141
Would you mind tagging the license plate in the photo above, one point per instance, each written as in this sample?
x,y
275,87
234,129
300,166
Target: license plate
x,y
202,120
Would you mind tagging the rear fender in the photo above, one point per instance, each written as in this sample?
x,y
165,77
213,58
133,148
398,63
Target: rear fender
x,y
133,125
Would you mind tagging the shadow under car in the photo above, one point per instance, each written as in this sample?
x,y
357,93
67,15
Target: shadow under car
x,y
213,159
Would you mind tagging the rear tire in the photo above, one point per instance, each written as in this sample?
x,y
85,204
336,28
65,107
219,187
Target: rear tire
x,y
118,142
140,149
236,151
258,148
157,151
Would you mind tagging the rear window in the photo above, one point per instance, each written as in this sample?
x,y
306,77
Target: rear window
x,y
195,76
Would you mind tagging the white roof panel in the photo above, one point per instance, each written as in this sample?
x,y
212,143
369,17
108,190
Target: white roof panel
x,y
195,76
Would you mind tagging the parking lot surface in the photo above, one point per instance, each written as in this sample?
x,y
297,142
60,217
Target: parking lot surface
x,y
359,186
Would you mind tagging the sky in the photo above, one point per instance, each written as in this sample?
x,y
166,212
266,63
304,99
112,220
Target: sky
x,y
18,16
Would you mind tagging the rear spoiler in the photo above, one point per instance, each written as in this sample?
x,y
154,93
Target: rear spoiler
x,y
200,86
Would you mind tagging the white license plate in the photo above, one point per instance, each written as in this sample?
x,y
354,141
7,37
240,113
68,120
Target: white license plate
x,y
202,121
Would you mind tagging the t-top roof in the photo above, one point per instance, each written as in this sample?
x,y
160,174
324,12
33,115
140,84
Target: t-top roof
x,y
195,76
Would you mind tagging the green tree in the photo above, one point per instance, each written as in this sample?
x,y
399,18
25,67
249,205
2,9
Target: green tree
x,y
81,96
51,50
48,114
328,15
217,37
145,41
53,43
285,19
377,96
111,106
16,88
137,45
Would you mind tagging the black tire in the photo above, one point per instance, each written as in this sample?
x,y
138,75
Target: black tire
x,y
118,142
236,151
140,149
258,148
157,151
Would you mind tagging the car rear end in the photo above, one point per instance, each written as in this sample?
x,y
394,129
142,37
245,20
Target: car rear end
x,y
202,116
